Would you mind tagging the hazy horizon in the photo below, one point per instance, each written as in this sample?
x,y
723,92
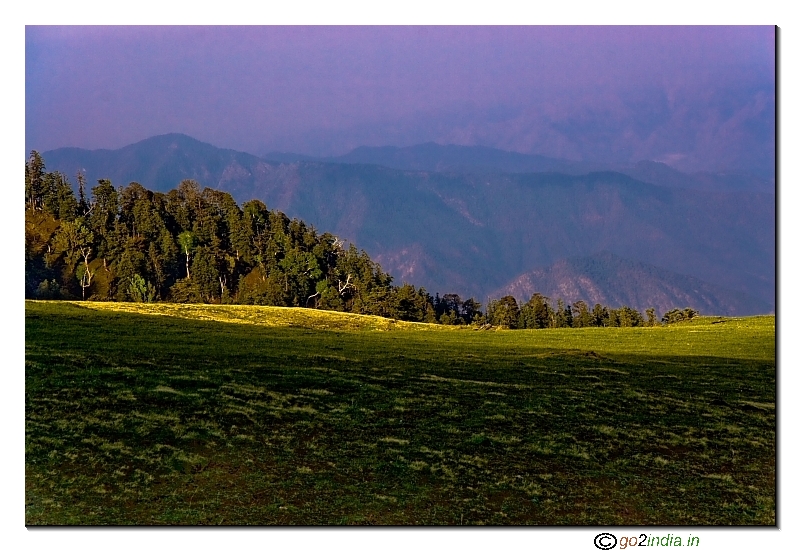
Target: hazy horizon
x,y
697,98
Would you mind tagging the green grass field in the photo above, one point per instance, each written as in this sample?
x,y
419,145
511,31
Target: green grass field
x,y
171,414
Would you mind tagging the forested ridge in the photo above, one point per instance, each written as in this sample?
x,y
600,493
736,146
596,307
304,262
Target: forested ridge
x,y
193,245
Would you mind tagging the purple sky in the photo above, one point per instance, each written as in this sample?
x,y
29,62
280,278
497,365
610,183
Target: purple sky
x,y
699,98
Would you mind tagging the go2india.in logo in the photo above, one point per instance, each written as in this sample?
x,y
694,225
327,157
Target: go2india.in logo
x,y
607,541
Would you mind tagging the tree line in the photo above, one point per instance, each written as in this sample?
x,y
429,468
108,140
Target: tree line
x,y
198,245
538,312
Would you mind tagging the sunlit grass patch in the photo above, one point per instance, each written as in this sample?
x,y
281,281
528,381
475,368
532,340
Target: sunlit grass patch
x,y
394,440
319,392
167,389
722,477
762,406
267,316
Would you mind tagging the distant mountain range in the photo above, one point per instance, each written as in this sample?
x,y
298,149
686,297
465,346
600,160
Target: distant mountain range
x,y
432,157
476,220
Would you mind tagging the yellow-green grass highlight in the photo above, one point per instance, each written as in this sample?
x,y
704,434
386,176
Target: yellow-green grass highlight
x,y
265,316
237,415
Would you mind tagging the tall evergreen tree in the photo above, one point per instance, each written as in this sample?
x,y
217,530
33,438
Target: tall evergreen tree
x,y
504,312
34,181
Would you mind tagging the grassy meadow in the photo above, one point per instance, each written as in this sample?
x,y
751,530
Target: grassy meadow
x,y
173,414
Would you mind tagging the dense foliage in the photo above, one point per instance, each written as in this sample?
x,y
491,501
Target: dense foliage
x,y
193,245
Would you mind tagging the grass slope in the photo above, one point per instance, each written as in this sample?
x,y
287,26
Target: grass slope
x,y
178,418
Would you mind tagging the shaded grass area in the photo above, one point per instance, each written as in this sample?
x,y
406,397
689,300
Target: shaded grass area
x,y
144,419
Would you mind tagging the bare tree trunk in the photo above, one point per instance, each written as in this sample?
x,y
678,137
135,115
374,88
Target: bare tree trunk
x,y
345,286
86,280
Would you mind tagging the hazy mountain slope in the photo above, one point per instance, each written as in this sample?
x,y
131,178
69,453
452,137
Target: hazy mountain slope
x,y
468,233
661,174
160,163
432,157
473,232
398,217
714,236
610,280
